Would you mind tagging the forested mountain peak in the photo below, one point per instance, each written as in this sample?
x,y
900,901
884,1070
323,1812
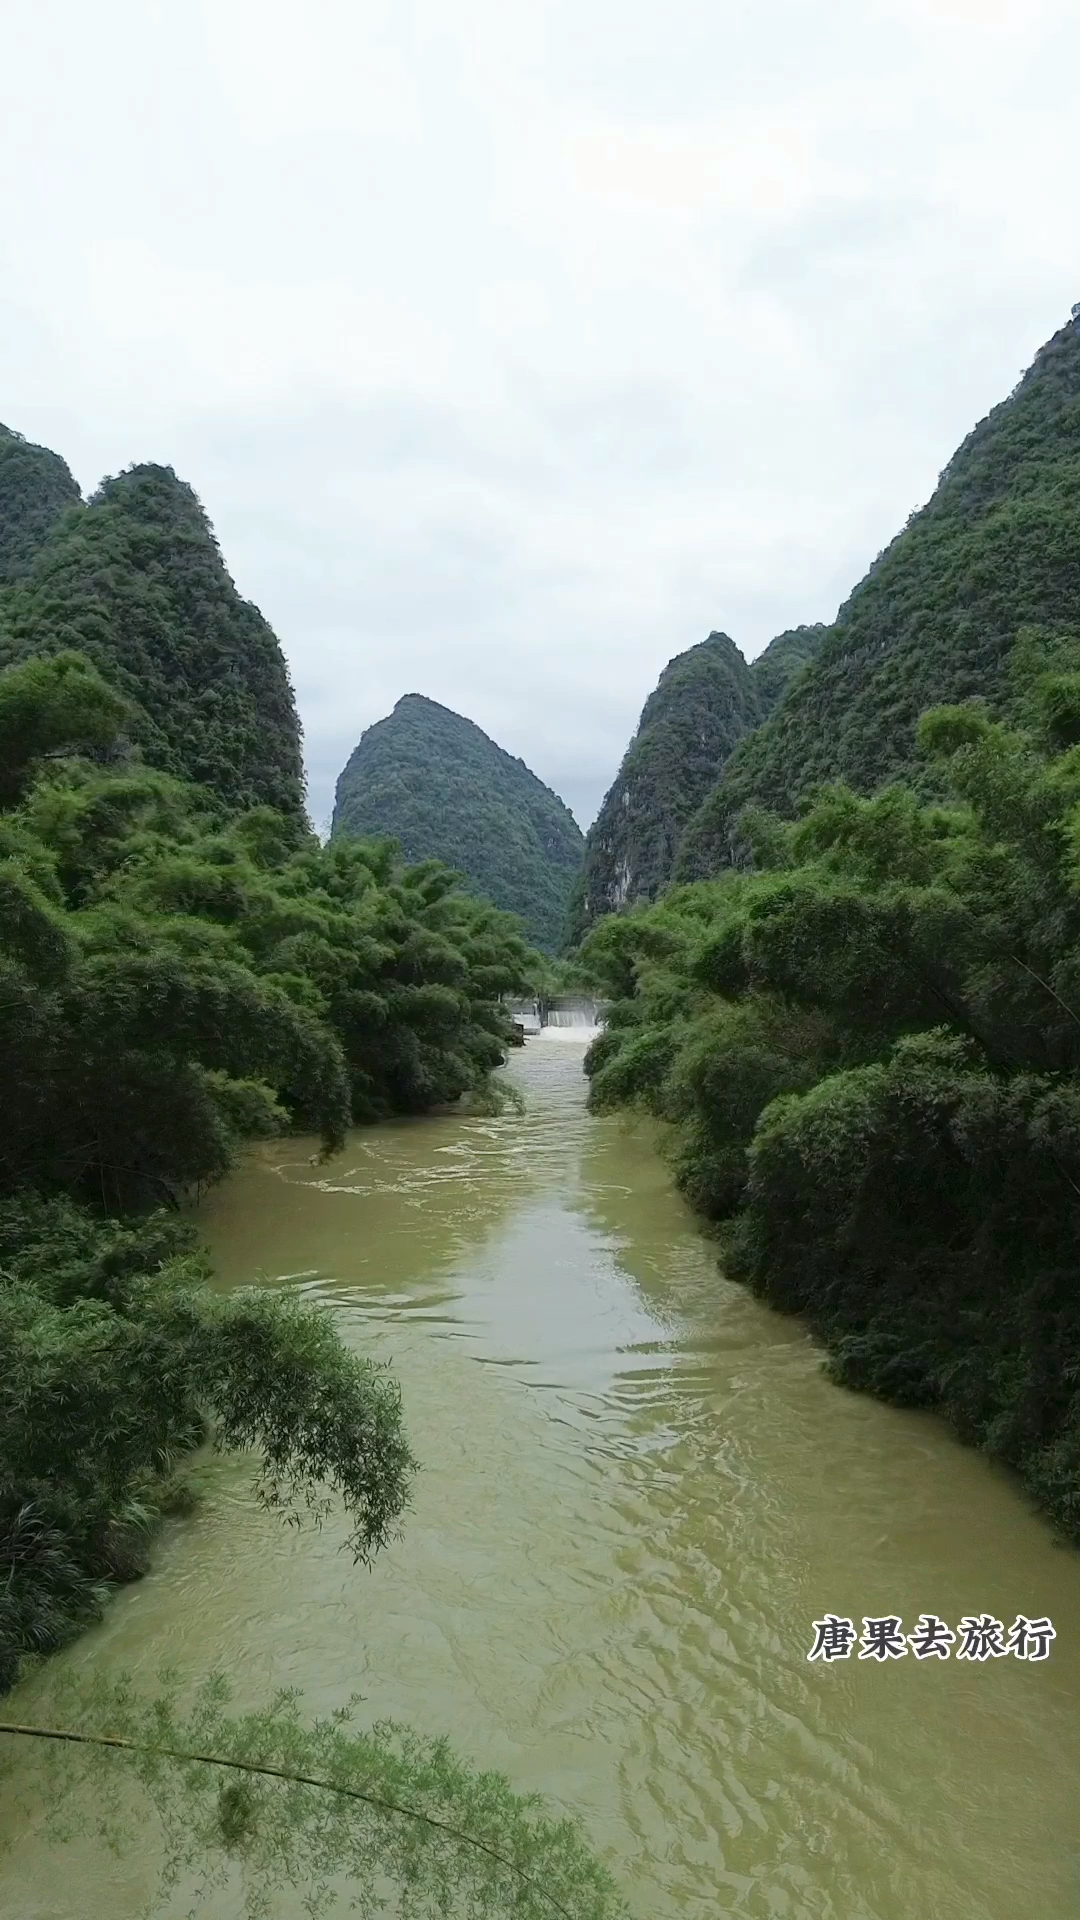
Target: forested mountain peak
x,y
134,581
437,784
157,496
781,660
35,487
704,702
996,550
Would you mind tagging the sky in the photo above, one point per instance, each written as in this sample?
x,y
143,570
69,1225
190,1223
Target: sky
x,y
512,346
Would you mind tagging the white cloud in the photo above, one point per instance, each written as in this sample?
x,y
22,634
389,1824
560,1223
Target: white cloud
x,y
513,347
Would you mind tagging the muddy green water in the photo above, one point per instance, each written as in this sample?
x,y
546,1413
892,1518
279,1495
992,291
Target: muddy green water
x,y
638,1490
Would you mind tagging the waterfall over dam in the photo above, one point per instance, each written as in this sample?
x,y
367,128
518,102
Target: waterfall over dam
x,y
573,1010
573,1016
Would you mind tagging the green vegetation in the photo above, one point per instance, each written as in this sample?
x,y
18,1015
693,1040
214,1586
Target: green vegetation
x,y
868,1053
183,968
117,1355
438,786
135,583
864,1035
264,1802
173,981
706,701
35,488
783,658
996,549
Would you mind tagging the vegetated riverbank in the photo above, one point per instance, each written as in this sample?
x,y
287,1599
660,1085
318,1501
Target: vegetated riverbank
x,y
177,978
637,1491
184,969
868,1054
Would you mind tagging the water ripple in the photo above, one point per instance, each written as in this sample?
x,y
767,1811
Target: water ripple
x,y
637,1493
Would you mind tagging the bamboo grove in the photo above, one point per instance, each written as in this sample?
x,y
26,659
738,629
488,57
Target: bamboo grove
x,y
867,1053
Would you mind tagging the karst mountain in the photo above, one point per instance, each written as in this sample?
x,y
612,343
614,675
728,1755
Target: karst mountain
x,y
434,782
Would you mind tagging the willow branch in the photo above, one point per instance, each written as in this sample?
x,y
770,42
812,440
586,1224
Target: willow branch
x,y
293,1779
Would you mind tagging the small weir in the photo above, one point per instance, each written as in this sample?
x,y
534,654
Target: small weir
x,y
579,1015
574,1010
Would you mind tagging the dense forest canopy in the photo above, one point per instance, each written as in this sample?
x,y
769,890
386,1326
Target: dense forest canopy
x,y
134,581
35,488
996,549
706,701
435,783
783,658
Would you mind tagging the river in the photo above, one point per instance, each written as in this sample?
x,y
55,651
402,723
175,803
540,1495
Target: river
x,y
638,1492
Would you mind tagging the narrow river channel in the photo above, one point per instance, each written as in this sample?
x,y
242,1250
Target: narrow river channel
x,y
638,1492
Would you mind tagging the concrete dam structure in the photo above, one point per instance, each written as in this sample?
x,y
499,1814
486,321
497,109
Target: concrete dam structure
x,y
577,1016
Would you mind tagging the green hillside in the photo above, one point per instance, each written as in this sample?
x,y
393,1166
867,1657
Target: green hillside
x,y
706,700
782,659
35,487
996,549
135,582
436,784
702,705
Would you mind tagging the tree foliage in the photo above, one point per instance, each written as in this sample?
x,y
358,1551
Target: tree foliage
x,y
117,1354
868,1055
434,783
379,1819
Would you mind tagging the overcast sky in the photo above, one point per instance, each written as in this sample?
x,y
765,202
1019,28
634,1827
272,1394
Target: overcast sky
x,y
512,345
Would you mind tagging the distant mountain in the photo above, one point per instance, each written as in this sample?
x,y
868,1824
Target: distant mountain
x,y
35,487
706,700
135,581
703,704
996,550
434,782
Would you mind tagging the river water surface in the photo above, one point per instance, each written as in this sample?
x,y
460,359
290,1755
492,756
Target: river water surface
x,y
638,1491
